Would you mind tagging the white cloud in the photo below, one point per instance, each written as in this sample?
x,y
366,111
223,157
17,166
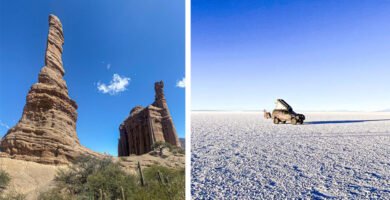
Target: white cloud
x,y
4,125
181,83
117,84
108,66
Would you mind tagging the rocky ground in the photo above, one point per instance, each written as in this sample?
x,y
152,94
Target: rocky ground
x,y
333,155
146,160
27,177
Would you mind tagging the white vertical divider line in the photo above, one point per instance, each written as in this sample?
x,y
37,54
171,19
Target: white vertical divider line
x,y
188,98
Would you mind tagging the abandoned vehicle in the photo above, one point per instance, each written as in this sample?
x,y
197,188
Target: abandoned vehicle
x,y
284,113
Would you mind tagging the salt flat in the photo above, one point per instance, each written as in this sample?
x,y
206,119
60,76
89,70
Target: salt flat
x,y
240,155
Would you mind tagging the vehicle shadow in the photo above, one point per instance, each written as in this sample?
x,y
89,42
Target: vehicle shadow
x,y
346,121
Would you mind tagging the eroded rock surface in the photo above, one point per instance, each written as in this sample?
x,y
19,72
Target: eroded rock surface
x,y
145,126
46,133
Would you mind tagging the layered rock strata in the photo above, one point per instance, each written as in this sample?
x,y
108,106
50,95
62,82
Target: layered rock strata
x,y
145,126
46,132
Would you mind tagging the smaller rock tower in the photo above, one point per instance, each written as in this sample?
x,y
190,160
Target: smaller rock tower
x,y
145,126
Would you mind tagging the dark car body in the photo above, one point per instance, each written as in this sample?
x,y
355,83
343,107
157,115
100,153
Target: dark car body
x,y
283,116
284,113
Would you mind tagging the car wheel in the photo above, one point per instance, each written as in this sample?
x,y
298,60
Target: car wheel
x,y
294,121
276,120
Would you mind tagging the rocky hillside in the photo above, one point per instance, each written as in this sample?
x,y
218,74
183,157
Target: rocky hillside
x,y
32,178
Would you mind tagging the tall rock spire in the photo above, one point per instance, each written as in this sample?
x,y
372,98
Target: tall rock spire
x,y
46,132
55,40
170,135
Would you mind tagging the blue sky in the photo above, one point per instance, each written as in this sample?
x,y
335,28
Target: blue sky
x,y
317,55
141,41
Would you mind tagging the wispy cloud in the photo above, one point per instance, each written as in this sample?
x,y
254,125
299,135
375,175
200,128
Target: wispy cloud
x,y
4,125
181,83
117,84
108,66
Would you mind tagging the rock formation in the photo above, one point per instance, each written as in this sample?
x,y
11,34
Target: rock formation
x,y
183,143
46,133
145,126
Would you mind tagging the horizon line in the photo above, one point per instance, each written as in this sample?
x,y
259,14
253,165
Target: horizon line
x,y
254,110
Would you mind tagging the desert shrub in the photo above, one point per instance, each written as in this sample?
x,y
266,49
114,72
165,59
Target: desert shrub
x,y
4,179
91,178
178,150
75,178
165,145
111,181
162,183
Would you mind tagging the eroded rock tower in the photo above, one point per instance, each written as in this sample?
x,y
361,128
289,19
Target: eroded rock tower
x,y
46,132
145,126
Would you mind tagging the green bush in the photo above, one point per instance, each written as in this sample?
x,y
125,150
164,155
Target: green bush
x,y
165,145
111,181
4,179
162,183
90,177
178,150
75,178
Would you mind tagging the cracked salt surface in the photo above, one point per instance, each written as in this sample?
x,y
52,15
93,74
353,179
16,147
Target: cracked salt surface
x,y
333,155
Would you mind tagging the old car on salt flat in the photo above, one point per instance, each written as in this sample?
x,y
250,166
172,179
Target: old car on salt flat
x,y
284,113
